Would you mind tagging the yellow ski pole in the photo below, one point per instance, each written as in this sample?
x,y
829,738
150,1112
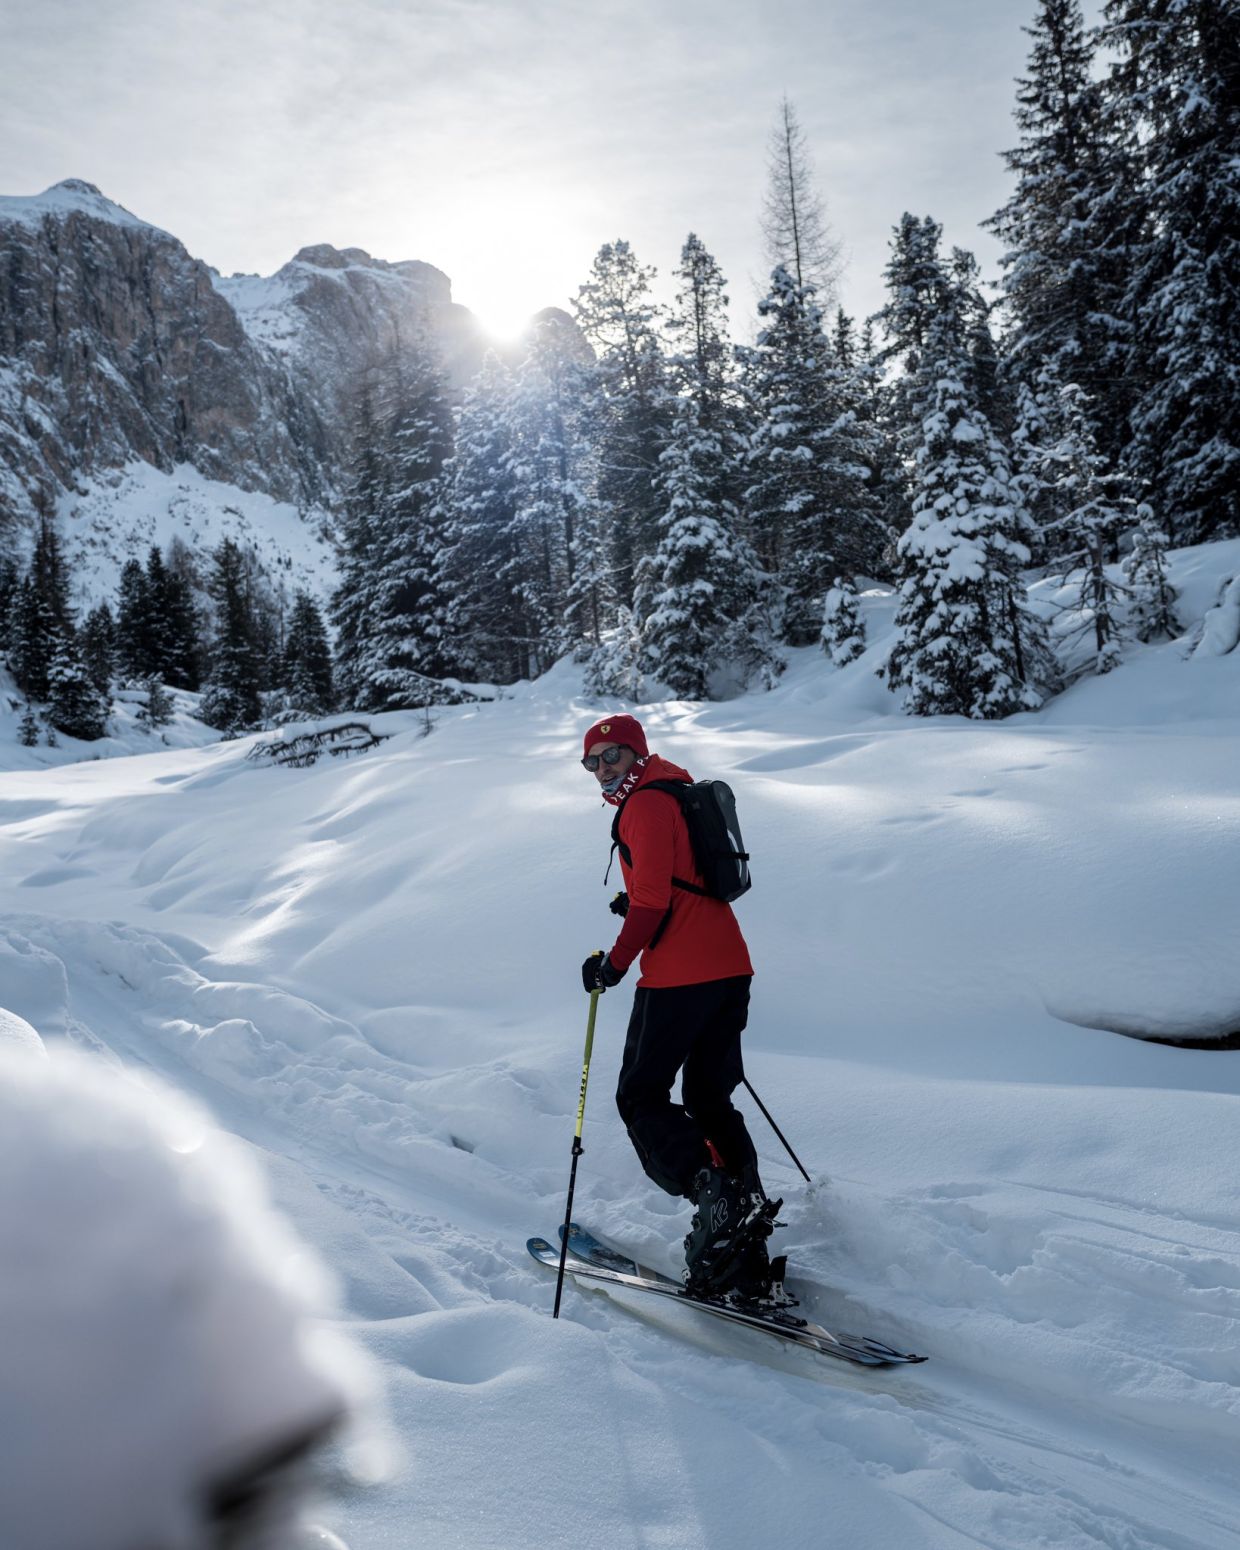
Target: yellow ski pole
x,y
577,1147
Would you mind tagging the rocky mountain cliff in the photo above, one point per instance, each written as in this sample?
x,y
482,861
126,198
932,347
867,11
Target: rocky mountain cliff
x,y
120,349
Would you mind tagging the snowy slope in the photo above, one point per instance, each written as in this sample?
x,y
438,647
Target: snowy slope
x,y
368,969
117,514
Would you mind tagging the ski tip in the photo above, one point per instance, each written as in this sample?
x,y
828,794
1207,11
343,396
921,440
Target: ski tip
x,y
538,1247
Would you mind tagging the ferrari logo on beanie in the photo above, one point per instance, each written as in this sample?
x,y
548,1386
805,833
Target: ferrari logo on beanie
x,y
625,730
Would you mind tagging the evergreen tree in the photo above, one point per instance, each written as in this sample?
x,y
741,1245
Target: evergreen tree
x,y
28,728
808,505
364,494
1096,510
990,385
34,637
888,484
1174,91
10,583
307,673
494,619
628,403
137,651
570,591
614,668
40,617
269,642
794,222
697,587
75,706
964,645
182,662
1070,225
157,709
843,629
1152,598
97,642
405,651
50,575
230,701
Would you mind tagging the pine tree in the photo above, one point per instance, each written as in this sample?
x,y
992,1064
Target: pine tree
x,y
704,470
1152,597
494,620
97,644
136,646
843,629
40,617
364,494
698,585
794,222
75,706
808,506
1096,510
888,485
964,645
10,583
50,575
627,402
28,728
1070,225
571,592
230,700
613,669
33,638
1173,90
157,709
405,650
182,663
307,672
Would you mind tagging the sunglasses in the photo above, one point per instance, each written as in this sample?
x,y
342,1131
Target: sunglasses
x,y
608,756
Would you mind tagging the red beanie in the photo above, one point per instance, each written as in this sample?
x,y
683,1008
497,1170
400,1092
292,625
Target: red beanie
x,y
618,729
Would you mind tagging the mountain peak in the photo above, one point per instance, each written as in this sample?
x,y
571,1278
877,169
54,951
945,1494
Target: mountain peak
x,y
68,197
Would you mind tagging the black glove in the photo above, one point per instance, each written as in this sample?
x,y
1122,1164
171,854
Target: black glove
x,y
620,905
598,973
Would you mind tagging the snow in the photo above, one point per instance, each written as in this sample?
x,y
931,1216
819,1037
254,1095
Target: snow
x,y
367,970
1220,633
72,196
156,1312
118,514
267,305
16,1032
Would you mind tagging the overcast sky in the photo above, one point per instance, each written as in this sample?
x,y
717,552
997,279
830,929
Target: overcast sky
x,y
504,140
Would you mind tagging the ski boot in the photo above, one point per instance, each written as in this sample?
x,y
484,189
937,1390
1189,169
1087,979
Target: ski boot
x,y
718,1212
726,1246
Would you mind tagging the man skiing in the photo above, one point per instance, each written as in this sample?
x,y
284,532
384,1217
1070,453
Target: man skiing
x,y
689,1009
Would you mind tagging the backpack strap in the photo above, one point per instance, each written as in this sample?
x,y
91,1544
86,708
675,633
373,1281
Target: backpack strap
x,y
672,787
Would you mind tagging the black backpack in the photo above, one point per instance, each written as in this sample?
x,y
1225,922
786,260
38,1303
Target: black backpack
x,y
714,833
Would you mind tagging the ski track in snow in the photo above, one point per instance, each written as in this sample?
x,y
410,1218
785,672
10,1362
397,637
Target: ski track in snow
x,y
365,970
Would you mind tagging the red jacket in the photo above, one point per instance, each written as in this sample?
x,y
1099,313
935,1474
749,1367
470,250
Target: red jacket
x,y
702,940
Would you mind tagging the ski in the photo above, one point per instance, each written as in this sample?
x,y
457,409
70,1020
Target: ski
x,y
589,1258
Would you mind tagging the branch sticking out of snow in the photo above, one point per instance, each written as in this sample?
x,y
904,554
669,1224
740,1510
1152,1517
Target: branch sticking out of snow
x,y
302,749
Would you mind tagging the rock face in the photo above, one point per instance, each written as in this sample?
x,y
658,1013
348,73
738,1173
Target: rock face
x,y
116,344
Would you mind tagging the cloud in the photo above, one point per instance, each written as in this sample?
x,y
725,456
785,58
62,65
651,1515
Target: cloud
x,y
504,142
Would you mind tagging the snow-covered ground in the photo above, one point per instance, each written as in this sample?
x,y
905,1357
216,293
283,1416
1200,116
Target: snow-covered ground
x,y
369,971
145,506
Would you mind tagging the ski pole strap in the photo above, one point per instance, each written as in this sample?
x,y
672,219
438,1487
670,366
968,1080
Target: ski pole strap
x,y
585,1067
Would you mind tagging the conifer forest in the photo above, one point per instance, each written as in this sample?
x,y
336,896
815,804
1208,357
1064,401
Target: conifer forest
x,y
673,492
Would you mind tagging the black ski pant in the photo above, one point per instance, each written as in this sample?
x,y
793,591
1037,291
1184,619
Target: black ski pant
x,y
694,1030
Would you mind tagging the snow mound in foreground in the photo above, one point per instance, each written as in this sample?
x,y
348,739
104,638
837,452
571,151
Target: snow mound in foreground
x,y
156,1316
